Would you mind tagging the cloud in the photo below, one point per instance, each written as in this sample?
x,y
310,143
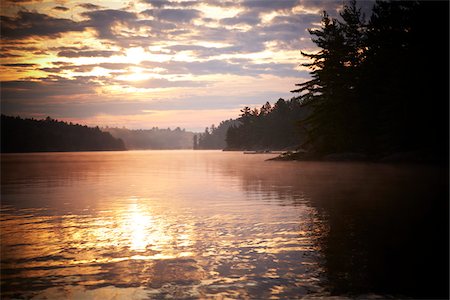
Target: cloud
x,y
158,3
173,15
206,52
222,3
242,67
321,5
5,54
248,17
103,20
267,5
89,6
115,66
164,83
60,8
29,24
64,66
18,65
46,88
209,54
91,53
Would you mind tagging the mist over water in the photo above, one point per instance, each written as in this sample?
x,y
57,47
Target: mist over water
x,y
201,224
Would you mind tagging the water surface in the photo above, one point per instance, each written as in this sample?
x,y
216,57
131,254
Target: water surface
x,y
209,224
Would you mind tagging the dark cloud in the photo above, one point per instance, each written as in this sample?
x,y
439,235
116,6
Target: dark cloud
x,y
167,3
60,8
156,25
221,3
158,3
46,89
89,6
173,15
186,3
283,31
304,19
61,63
19,65
103,20
28,24
249,18
52,70
91,53
5,54
269,5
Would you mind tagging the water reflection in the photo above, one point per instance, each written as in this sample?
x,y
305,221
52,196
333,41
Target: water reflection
x,y
387,224
211,224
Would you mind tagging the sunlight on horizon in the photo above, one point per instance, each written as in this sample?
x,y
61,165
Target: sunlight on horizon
x,y
82,60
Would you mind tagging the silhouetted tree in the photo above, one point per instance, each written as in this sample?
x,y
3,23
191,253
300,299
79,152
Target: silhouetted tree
x,y
269,128
30,135
368,90
195,142
214,137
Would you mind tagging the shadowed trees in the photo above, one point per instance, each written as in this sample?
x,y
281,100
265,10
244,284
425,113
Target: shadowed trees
x,y
213,137
30,135
379,86
268,128
374,87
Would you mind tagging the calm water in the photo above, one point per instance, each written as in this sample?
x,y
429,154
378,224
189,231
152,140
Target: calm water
x,y
209,224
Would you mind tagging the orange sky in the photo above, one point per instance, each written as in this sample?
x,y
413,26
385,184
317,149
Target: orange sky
x,y
150,63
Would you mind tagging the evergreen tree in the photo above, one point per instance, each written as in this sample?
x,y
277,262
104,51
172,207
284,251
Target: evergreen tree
x,y
325,92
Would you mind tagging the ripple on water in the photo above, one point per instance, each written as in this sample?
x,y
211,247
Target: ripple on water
x,y
135,252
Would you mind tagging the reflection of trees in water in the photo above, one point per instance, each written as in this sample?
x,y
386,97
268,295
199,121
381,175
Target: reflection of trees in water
x,y
387,225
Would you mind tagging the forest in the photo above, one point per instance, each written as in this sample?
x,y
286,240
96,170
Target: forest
x,y
214,137
268,128
379,86
49,135
155,138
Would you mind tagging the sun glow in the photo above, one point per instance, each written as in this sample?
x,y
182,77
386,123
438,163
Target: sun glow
x,y
136,55
135,74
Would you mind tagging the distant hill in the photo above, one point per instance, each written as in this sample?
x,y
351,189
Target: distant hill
x,y
49,135
154,138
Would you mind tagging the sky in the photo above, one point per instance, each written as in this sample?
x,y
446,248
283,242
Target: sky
x,y
147,63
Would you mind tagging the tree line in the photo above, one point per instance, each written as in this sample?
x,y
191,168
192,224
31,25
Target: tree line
x,y
49,135
214,137
155,138
378,86
268,128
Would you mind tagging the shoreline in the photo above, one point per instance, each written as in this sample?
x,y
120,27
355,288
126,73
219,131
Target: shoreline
x,y
397,158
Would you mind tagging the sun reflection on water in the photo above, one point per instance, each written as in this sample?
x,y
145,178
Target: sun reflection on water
x,y
138,225
189,231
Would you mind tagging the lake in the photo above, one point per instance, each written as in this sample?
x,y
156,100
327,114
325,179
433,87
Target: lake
x,y
212,224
